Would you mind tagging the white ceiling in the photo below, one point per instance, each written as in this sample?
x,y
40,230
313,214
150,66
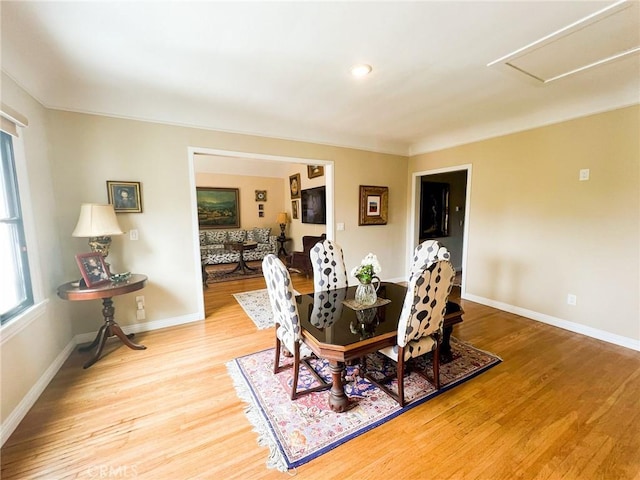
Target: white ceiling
x,y
282,69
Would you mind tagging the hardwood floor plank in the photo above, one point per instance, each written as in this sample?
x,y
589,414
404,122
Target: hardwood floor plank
x,y
559,406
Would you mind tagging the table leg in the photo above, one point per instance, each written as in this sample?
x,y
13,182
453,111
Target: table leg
x,y
338,400
242,265
109,329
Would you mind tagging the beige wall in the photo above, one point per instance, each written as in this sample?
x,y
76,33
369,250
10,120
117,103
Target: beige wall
x,y
536,233
247,186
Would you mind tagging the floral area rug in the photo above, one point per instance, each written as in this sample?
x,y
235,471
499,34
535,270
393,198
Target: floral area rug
x,y
256,305
301,430
220,273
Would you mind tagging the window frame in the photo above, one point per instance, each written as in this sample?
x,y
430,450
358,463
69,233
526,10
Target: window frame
x,y
15,219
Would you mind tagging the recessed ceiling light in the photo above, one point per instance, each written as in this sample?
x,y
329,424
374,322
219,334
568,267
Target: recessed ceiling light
x,y
361,70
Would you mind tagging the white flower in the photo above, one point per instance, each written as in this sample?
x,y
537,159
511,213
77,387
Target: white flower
x,y
369,267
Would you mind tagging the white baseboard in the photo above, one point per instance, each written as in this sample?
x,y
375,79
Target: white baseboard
x,y
608,337
18,413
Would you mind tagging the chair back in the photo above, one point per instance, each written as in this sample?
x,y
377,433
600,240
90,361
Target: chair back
x,y
427,253
425,304
329,271
282,299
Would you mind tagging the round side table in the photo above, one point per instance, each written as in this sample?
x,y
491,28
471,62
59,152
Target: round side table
x,y
71,291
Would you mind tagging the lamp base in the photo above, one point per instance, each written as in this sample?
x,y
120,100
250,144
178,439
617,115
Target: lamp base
x,y
100,245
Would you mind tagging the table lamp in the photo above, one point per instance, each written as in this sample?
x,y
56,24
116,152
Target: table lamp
x,y
282,220
98,223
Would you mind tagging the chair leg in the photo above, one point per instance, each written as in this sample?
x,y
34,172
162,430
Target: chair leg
x,y
436,366
296,371
400,374
276,363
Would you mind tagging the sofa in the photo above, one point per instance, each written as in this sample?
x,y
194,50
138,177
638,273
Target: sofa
x,y
212,251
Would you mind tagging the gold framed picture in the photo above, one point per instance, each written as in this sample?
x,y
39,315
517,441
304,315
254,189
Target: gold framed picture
x,y
294,209
125,197
294,185
314,171
374,205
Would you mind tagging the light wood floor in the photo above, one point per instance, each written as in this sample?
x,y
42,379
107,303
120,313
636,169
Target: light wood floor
x,y
560,406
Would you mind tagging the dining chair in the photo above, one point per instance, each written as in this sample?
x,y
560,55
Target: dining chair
x,y
426,253
329,271
287,324
420,326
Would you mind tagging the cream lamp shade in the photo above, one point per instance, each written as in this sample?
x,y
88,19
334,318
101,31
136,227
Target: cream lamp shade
x,y
97,221
282,218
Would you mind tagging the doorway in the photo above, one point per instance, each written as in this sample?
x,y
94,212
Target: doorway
x,y
440,211
243,162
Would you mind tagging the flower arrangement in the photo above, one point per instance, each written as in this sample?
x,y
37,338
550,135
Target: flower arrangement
x,y
369,267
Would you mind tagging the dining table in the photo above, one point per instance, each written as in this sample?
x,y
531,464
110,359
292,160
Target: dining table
x,y
335,327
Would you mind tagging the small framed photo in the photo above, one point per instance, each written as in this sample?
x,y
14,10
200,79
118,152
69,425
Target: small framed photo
x,y
261,195
314,171
261,207
374,205
294,209
125,197
93,269
294,185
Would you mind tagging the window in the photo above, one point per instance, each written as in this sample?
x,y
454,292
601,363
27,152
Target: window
x,y
17,294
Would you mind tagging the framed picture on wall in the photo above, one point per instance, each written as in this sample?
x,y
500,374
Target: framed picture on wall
x,y
314,171
294,185
374,205
124,196
218,207
294,209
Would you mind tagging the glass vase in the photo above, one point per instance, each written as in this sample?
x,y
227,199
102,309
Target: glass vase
x,y
366,292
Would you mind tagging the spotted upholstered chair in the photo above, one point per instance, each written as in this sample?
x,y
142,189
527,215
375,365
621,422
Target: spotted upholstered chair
x,y
327,261
426,253
420,324
287,320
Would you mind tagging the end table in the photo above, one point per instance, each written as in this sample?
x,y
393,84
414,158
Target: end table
x,y
281,241
71,291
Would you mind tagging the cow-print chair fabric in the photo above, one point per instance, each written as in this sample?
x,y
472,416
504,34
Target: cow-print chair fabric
x,y
421,321
329,271
426,253
287,322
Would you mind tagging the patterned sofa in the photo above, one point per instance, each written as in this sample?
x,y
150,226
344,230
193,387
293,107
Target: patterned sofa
x,y
212,251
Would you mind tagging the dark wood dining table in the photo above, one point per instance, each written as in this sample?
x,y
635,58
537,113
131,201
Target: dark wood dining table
x,y
340,333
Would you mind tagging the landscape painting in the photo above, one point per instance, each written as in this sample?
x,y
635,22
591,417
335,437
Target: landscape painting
x,y
218,207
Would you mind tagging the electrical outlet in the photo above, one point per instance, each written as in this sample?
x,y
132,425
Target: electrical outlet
x,y
140,302
133,234
140,315
340,227
572,299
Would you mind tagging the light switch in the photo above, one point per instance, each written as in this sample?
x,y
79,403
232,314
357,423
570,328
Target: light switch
x,y
340,227
133,234
584,174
